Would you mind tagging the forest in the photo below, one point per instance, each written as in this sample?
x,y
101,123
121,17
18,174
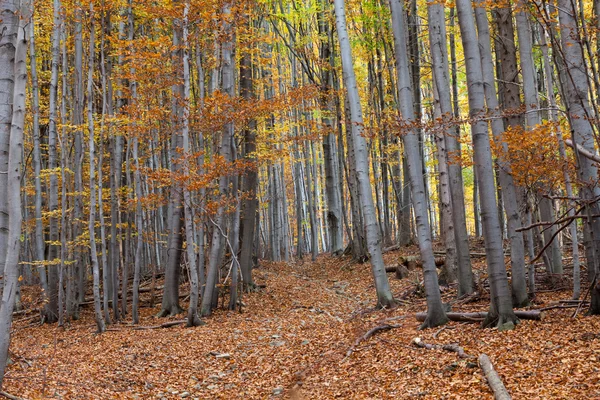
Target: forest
x,y
299,199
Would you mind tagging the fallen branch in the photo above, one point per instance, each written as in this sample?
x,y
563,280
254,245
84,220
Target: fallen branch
x,y
472,254
391,248
371,332
500,392
455,348
560,306
140,328
536,315
10,396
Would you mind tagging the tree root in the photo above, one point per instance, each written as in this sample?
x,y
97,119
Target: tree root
x,y
370,332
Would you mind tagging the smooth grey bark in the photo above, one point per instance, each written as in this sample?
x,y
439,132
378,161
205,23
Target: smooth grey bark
x,y
449,273
532,119
218,221
192,316
37,166
250,179
92,219
9,22
13,181
311,184
501,313
170,301
435,311
139,243
509,192
63,164
579,112
78,285
549,84
200,229
105,111
382,287
439,55
330,157
509,88
52,308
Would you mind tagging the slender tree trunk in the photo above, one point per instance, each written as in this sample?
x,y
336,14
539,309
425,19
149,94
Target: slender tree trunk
x,y
13,182
92,152
192,316
439,54
37,166
549,74
218,221
532,119
384,294
52,164
501,312
579,113
509,192
250,180
170,301
8,26
435,310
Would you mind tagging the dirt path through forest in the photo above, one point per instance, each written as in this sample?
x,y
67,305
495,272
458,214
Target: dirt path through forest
x,y
292,341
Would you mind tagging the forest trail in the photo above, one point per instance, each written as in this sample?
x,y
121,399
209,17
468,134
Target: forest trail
x,y
292,341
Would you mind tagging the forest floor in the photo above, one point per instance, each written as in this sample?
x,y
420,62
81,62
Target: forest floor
x,y
292,340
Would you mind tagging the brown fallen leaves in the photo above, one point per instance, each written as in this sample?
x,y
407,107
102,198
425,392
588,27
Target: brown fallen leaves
x,y
291,341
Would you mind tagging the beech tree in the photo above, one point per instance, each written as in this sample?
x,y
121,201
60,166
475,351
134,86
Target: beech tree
x,y
501,312
361,164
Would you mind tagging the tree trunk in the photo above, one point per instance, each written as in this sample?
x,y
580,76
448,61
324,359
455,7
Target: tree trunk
x,y
37,166
192,317
435,311
501,311
12,203
579,113
250,180
384,294
509,192
92,152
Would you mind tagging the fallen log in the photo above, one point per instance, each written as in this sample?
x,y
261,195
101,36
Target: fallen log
x,y
400,270
493,379
412,262
455,348
536,315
